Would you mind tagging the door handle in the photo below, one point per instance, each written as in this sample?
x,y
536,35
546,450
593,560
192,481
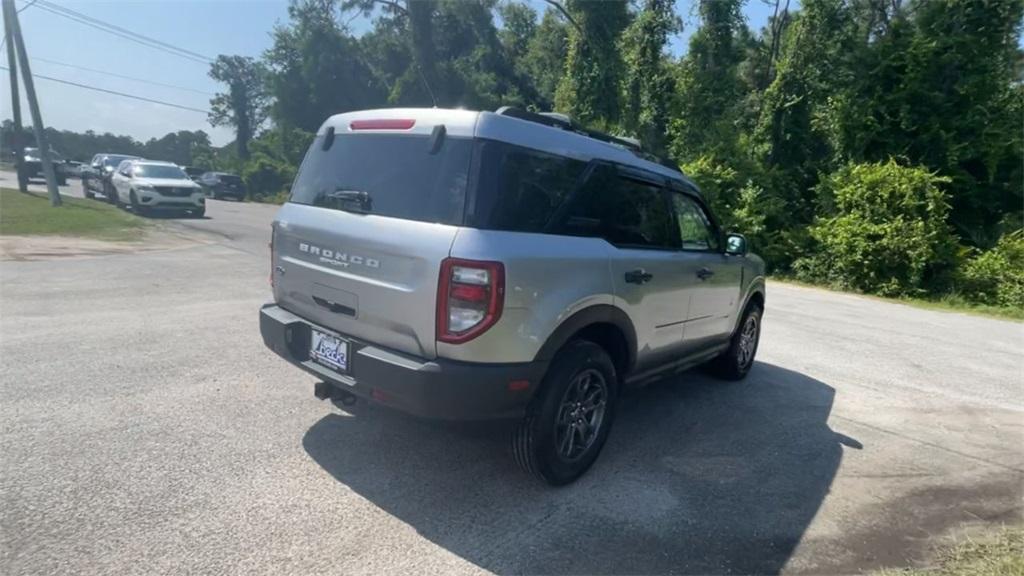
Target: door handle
x,y
334,306
705,273
638,276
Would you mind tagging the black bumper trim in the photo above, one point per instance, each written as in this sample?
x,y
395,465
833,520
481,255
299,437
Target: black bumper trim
x,y
439,388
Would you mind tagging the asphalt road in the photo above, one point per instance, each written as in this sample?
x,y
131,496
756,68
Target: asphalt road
x,y
144,429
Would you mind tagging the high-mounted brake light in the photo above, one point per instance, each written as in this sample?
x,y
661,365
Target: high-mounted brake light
x,y
470,296
382,124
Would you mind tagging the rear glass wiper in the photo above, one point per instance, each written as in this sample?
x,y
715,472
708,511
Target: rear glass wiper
x,y
344,199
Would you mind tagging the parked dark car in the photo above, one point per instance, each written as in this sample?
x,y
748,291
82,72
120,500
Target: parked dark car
x,y
195,173
96,179
223,185
32,166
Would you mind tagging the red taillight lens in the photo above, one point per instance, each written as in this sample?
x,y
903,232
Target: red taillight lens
x,y
470,296
382,124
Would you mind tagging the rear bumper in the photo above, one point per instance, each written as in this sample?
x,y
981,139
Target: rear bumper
x,y
439,388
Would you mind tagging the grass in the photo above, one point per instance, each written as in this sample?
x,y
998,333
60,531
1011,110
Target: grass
x,y
31,214
945,303
999,555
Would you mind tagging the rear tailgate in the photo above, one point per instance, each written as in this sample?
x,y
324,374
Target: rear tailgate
x,y
371,277
373,212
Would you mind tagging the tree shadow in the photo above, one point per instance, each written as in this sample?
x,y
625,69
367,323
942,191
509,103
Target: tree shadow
x,y
698,477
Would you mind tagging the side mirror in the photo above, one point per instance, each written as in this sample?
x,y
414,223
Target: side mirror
x,y
736,244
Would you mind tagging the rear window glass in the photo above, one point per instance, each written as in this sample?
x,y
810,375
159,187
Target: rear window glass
x,y
625,212
520,189
229,179
397,175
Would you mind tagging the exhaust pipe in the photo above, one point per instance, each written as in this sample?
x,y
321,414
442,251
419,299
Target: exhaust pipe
x,y
326,390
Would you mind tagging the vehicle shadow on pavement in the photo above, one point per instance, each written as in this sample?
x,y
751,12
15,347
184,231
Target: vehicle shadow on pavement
x,y
699,476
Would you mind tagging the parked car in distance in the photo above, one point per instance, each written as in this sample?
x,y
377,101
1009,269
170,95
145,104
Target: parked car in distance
x,y
73,168
96,180
516,265
148,185
223,185
193,172
32,165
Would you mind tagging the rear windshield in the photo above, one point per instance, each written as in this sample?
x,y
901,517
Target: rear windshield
x,y
229,179
400,176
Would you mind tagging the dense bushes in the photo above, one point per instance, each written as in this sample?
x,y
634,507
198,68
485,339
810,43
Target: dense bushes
x,y
266,178
996,277
883,230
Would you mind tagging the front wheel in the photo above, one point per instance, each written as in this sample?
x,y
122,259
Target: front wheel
x,y
736,361
569,421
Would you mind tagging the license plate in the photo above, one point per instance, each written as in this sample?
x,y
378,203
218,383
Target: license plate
x,y
330,351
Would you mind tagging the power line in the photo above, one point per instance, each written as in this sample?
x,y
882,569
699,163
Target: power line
x,y
122,33
27,6
87,87
115,75
114,27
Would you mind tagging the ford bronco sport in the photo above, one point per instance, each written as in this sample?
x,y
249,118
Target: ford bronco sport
x,y
475,265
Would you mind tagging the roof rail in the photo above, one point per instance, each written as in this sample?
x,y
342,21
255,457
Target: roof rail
x,y
561,121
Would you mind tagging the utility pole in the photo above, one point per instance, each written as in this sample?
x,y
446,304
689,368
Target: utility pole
x,y
11,16
12,65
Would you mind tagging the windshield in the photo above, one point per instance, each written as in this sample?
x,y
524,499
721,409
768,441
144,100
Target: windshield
x,y
158,171
34,153
113,161
388,175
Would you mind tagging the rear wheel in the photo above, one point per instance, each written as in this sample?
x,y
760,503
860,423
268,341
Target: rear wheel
x,y
569,421
736,361
88,193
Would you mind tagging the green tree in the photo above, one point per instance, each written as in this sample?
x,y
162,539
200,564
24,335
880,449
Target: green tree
x,y
708,84
648,83
544,59
791,140
942,88
244,105
590,88
317,68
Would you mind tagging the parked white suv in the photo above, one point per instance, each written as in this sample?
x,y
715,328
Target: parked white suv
x,y
153,185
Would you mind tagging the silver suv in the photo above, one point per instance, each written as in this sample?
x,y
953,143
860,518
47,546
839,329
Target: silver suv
x,y
476,265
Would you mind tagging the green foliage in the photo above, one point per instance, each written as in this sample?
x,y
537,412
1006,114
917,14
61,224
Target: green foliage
x,y
266,176
544,60
589,89
884,231
707,85
996,276
244,105
648,84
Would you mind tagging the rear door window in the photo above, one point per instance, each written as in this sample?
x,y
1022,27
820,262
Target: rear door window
x,y
393,175
520,189
627,213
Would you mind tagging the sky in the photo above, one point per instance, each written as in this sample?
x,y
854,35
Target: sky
x,y
207,27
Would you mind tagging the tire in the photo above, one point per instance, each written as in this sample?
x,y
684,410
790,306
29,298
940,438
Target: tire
x,y
736,361
200,213
543,447
110,193
88,193
137,208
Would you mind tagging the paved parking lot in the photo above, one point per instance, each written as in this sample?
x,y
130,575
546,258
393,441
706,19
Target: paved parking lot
x,y
144,429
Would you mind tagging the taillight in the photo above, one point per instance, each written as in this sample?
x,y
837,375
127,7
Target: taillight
x,y
470,295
